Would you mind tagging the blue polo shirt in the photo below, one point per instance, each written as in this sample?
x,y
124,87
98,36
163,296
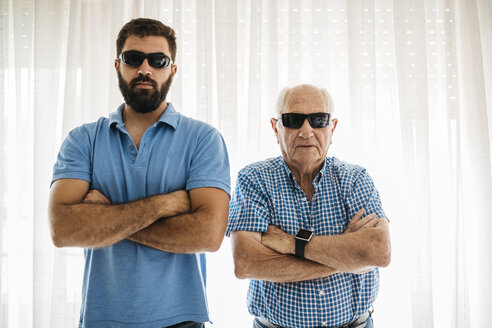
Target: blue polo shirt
x,y
129,284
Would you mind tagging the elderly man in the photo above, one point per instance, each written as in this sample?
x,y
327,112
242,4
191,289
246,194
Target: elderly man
x,y
145,192
298,227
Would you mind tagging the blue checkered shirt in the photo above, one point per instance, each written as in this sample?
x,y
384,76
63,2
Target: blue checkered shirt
x,y
267,193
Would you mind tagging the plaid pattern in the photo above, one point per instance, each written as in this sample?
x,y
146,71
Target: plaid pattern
x,y
267,193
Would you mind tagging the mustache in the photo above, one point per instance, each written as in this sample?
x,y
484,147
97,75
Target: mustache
x,y
142,78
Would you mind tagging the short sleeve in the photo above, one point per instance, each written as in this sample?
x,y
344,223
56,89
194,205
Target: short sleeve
x,y
249,209
364,194
74,158
210,164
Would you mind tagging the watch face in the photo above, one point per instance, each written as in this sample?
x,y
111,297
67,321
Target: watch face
x,y
304,234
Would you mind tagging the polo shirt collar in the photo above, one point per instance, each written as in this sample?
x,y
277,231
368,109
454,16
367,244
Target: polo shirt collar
x,y
169,117
116,118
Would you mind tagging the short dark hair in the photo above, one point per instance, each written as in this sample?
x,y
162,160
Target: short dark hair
x,y
146,27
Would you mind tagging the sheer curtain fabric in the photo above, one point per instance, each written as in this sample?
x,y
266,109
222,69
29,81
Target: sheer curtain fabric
x,y
412,86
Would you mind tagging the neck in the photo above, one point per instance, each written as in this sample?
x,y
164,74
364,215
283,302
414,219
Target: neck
x,y
305,175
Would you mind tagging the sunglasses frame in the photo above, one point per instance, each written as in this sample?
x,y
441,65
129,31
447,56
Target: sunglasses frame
x,y
297,116
146,56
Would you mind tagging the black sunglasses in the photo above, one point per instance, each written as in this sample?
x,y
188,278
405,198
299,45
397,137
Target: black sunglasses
x,y
136,58
296,120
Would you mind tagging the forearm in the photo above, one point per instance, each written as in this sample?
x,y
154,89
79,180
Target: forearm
x,y
282,268
252,260
352,252
98,225
188,233
200,231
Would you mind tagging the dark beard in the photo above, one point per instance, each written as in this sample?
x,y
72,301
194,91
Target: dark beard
x,y
143,101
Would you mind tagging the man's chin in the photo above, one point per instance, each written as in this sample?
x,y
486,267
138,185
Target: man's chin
x,y
144,91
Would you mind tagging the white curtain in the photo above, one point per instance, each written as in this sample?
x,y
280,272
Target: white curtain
x,y
412,85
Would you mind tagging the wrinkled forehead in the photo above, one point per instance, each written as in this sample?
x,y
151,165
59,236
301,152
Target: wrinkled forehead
x,y
305,100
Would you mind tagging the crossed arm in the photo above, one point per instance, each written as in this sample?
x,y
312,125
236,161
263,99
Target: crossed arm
x,y
269,256
173,222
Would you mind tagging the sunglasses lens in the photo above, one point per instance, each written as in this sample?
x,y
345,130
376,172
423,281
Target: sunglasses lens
x,y
319,120
136,58
158,60
296,120
133,58
293,120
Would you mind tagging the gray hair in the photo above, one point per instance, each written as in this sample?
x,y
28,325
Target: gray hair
x,y
282,97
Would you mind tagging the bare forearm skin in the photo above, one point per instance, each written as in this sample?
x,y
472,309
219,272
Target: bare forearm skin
x,y
352,252
252,260
99,225
200,231
184,234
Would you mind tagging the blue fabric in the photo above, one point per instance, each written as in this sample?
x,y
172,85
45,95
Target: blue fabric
x,y
266,193
129,284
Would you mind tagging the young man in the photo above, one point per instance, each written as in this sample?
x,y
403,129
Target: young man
x,y
145,192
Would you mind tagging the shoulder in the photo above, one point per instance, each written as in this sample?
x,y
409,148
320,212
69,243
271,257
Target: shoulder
x,y
343,169
196,127
88,131
265,168
349,177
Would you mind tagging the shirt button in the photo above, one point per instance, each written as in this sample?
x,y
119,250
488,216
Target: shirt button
x,y
304,199
324,323
321,293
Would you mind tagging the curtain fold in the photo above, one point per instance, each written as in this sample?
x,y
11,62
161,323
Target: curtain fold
x,y
412,86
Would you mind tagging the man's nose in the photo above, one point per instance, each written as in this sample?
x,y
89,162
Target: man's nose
x,y
306,130
145,68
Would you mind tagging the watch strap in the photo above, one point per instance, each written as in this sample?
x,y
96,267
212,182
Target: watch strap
x,y
300,246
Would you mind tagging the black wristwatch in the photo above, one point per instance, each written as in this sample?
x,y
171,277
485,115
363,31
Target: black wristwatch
x,y
303,236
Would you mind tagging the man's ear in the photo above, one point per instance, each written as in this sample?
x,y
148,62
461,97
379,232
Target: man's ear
x,y
116,64
273,122
335,122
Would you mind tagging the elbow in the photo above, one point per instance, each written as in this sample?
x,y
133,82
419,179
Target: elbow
x,y
382,255
242,265
383,259
57,239
214,241
58,233
213,233
214,245
240,270
55,229
378,251
57,242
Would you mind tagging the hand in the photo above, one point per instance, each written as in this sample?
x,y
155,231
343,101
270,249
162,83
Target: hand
x,y
94,196
357,224
181,201
278,240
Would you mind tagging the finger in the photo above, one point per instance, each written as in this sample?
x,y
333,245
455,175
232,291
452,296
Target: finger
x,y
357,225
371,223
357,216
